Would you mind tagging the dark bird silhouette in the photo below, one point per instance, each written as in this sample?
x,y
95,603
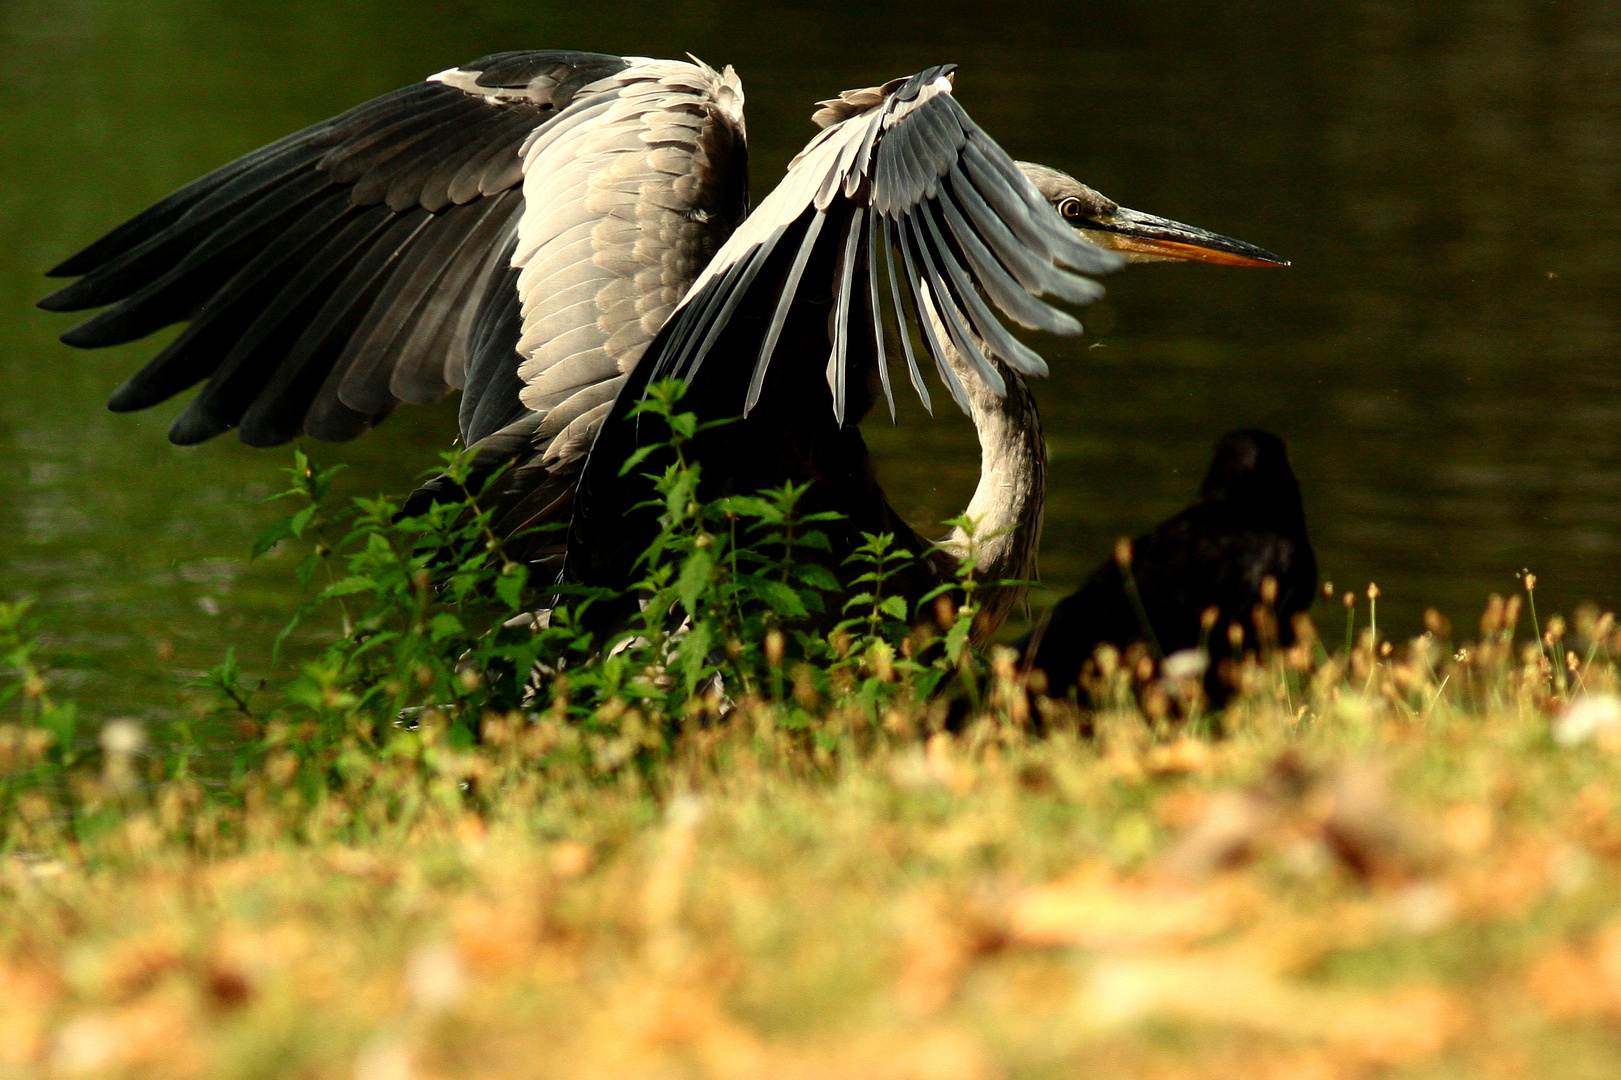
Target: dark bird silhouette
x,y
550,231
1246,527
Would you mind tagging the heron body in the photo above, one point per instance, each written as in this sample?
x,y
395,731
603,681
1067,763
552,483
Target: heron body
x,y
551,231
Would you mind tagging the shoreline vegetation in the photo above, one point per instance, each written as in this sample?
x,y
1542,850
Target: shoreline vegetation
x,y
813,832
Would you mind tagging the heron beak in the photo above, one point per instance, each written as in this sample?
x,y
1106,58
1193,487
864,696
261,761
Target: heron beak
x,y
1147,238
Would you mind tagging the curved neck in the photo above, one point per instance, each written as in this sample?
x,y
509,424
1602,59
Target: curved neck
x,y
1006,508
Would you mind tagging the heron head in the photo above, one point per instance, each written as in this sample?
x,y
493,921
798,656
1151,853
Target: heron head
x,y
1140,237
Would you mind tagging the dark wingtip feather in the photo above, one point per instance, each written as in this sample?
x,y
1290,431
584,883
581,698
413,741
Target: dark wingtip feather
x,y
60,300
130,397
195,426
266,434
74,265
89,334
87,292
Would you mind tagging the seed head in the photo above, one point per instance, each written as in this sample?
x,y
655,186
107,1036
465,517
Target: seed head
x,y
123,737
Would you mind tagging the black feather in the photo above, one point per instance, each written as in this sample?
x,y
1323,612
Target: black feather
x,y
498,158
490,397
359,158
480,136
253,306
785,300
838,359
419,369
229,205
216,261
278,413
378,347
513,70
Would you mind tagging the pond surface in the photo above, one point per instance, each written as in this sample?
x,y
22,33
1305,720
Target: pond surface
x,y
1442,357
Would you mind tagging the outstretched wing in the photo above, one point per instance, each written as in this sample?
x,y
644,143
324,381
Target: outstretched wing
x,y
471,231
920,205
902,208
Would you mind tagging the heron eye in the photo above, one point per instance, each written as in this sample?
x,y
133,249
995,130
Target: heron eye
x,y
1070,208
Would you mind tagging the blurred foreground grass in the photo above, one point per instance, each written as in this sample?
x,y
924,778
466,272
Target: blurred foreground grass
x,y
1393,863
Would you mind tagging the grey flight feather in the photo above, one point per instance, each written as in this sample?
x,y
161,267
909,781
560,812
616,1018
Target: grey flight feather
x,y
902,168
876,308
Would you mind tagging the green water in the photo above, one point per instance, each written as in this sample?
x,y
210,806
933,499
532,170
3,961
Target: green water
x,y
1442,358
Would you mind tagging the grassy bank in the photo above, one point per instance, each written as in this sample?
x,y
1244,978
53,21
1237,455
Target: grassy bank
x,y
789,823
1386,866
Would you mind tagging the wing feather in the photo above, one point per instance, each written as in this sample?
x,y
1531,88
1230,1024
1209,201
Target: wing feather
x,y
785,300
1015,353
912,370
278,413
613,233
273,324
338,271
926,324
945,302
876,308
853,234
971,232
775,327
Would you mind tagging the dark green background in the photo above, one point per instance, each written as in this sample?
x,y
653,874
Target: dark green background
x,y
1441,358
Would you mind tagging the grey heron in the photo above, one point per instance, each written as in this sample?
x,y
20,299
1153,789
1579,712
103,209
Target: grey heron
x,y
549,231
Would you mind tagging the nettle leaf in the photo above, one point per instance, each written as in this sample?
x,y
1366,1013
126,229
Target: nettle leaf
x,y
694,576
444,625
817,576
684,425
894,607
781,599
510,585
637,456
301,520
349,586
957,638
271,536
693,653
745,506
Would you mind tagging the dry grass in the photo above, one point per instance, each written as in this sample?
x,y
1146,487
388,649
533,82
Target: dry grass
x,y
1383,868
